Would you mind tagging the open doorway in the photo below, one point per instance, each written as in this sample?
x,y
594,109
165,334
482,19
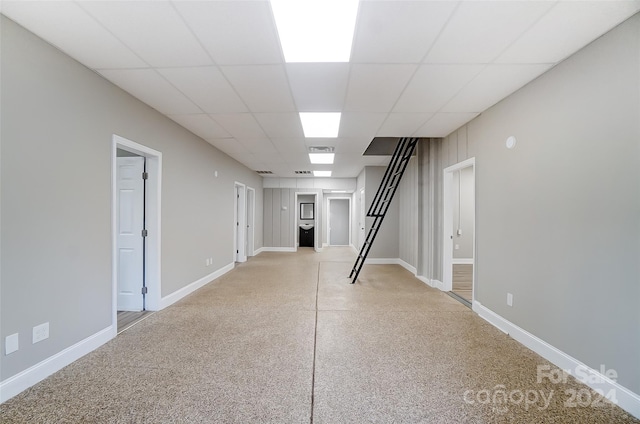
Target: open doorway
x,y
135,207
305,229
459,231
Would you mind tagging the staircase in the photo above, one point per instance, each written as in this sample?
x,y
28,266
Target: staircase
x,y
381,202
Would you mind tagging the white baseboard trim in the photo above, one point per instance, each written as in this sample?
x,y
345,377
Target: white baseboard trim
x,y
279,249
407,266
179,294
319,249
259,251
626,399
424,280
436,284
43,369
462,261
391,261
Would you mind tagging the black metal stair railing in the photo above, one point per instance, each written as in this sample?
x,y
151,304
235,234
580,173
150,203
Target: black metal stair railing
x,y
382,200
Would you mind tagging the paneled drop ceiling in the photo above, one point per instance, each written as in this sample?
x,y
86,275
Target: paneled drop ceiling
x,y
417,68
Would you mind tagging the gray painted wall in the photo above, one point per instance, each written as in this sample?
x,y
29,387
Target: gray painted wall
x,y
430,223
407,195
558,216
386,244
280,216
58,119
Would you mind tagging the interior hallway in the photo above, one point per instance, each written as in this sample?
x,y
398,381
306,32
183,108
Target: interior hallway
x,y
285,338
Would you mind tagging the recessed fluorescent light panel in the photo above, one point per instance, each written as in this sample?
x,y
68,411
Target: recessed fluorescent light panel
x,y
315,30
321,158
320,124
321,173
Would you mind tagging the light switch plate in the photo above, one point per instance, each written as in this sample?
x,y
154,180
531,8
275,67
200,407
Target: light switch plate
x,y
11,344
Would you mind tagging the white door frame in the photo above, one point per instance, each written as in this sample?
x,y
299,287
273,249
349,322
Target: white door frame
x,y
239,222
447,235
329,199
362,219
315,218
152,217
251,221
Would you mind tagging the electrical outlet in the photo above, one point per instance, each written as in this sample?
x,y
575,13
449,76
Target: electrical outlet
x,y
210,261
40,332
509,299
206,262
456,247
11,344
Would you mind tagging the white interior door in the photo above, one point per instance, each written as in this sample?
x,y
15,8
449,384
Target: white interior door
x,y
130,221
241,222
361,221
338,222
251,193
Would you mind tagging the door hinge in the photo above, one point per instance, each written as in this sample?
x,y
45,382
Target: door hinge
x,y
144,290
145,233
145,175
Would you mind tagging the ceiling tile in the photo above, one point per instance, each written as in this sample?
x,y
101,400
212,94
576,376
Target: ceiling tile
x,y
318,87
290,144
264,88
402,124
83,38
376,88
240,125
433,86
398,32
232,147
234,33
202,125
148,86
352,145
206,87
152,29
297,160
443,124
360,124
493,84
549,41
285,124
262,147
480,30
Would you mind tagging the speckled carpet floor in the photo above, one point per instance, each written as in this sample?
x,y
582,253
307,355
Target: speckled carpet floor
x,y
284,338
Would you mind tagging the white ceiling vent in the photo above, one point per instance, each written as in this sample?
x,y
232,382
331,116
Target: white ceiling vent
x,y
321,149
